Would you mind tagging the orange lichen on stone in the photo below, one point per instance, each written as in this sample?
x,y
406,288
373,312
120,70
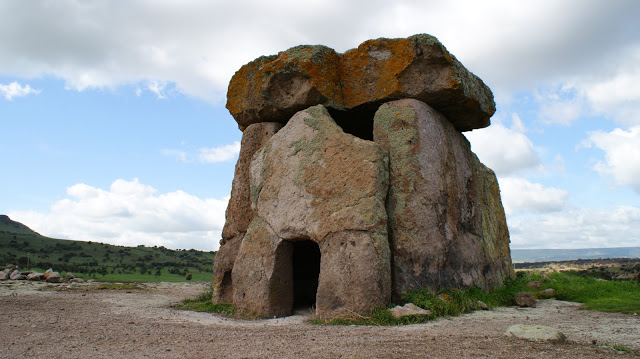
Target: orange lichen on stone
x,y
371,71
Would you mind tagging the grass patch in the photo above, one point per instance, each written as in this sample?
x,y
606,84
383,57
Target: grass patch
x,y
202,303
606,296
602,295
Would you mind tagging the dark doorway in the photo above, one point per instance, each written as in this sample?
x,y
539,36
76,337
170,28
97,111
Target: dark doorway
x,y
306,270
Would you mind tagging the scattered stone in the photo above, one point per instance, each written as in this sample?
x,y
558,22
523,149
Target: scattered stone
x,y
16,275
47,273
549,292
408,309
444,298
68,276
4,275
525,299
535,333
76,280
544,278
53,277
534,284
482,305
35,276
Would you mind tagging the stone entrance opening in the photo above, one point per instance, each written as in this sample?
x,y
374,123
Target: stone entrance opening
x,y
306,270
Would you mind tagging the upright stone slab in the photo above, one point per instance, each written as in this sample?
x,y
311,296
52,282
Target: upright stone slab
x,y
313,182
435,212
239,213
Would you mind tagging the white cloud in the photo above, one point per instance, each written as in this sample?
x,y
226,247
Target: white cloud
x,y
219,154
622,155
158,87
505,150
198,45
578,228
521,196
131,213
14,89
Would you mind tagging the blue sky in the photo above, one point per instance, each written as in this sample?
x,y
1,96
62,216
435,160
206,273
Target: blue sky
x,y
113,127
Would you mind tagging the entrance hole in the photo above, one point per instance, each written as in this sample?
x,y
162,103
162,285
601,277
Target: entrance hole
x,y
306,271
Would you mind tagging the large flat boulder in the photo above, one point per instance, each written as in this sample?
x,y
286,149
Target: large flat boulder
x,y
313,182
417,67
437,218
273,88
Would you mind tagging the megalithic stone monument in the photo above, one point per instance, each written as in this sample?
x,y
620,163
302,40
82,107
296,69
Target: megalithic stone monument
x,y
355,183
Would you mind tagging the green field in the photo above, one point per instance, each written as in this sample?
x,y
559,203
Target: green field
x,y
90,260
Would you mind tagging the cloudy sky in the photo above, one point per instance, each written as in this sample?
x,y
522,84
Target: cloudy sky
x,y
113,126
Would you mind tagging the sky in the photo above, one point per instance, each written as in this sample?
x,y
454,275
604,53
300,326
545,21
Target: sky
x,y
113,127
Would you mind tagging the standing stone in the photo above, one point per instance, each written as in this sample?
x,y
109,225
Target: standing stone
x,y
314,182
434,207
239,213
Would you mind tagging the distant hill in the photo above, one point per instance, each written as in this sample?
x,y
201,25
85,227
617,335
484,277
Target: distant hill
x,y
544,255
22,246
12,227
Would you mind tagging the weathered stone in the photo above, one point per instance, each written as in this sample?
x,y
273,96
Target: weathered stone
x,y
76,280
68,276
437,204
549,292
223,266
47,273
4,275
535,333
314,183
418,67
16,275
408,309
482,305
239,213
273,88
525,299
35,276
53,277
534,284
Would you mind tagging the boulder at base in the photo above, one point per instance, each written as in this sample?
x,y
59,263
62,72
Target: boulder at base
x,y
536,333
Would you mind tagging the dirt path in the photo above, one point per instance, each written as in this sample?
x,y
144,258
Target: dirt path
x,y
88,323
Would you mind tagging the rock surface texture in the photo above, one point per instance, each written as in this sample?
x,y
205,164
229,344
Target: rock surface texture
x,y
434,207
354,183
273,88
313,182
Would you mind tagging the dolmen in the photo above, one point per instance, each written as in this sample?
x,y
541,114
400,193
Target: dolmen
x,y
354,182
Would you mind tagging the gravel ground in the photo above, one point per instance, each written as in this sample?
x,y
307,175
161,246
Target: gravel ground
x,y
79,321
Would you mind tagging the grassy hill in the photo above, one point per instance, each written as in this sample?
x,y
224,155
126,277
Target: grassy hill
x,y
30,250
